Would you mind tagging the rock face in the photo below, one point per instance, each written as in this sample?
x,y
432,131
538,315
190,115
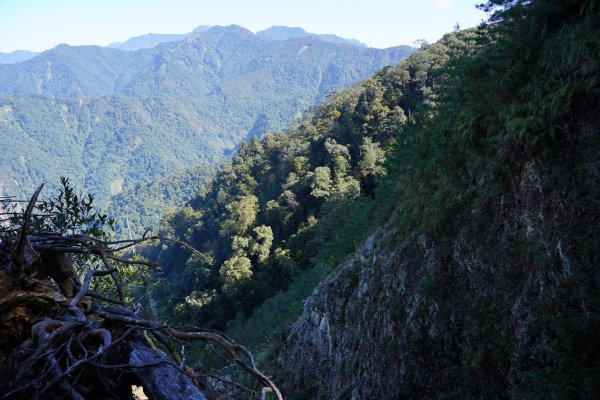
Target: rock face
x,y
347,343
467,313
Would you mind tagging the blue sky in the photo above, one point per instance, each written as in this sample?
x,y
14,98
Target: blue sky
x,y
42,24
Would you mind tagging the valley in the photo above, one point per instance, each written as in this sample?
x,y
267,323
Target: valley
x,y
110,119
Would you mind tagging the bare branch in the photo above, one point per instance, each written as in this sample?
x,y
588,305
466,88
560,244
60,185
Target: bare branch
x,y
153,266
227,382
85,289
104,298
18,259
236,351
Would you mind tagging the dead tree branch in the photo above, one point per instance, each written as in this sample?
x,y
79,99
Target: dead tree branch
x,y
23,240
71,351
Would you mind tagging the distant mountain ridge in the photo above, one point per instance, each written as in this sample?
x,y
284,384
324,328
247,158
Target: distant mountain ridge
x,y
151,40
92,71
274,33
16,56
112,119
285,33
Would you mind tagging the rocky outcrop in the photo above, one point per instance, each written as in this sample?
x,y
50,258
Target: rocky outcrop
x,y
466,313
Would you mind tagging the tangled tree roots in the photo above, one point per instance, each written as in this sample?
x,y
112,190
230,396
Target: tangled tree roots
x,y
55,346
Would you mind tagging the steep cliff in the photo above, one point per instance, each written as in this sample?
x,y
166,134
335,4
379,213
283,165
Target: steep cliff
x,y
496,307
484,281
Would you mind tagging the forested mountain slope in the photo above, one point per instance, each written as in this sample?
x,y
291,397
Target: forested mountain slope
x,y
142,206
116,118
483,283
473,170
67,72
272,214
105,143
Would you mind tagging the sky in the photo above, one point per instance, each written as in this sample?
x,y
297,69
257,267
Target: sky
x,y
39,25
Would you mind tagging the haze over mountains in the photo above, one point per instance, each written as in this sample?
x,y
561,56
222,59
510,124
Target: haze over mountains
x,y
113,119
273,33
16,56
151,40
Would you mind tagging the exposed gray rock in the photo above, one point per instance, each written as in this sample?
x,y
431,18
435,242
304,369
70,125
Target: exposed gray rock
x,y
456,312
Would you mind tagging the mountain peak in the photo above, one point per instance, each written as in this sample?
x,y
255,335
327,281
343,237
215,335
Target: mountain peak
x,y
151,40
278,32
219,32
147,41
229,29
201,28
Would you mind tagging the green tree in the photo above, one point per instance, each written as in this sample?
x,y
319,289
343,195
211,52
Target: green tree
x,y
242,214
234,272
69,214
321,185
261,243
370,164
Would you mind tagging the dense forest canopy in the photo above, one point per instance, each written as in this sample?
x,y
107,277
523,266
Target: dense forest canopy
x,y
259,221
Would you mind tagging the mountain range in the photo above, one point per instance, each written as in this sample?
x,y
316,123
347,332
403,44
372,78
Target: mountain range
x,y
151,40
111,119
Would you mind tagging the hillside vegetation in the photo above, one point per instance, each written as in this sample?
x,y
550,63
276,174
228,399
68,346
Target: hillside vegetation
x,y
113,119
476,162
276,212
